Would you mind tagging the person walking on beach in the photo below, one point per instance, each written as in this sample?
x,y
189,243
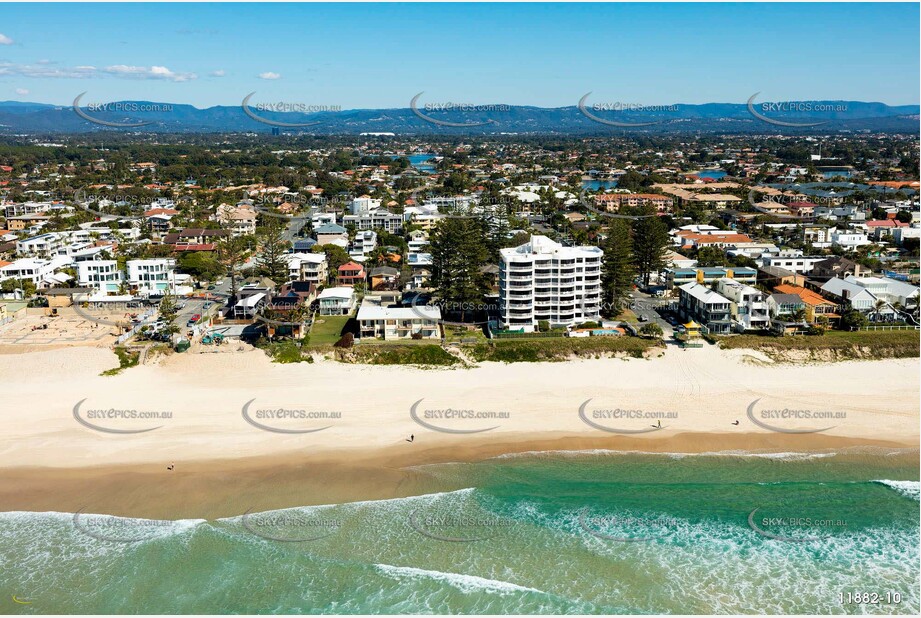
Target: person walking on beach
x,y
411,438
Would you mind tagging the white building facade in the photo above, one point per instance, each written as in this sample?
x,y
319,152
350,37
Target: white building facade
x,y
542,280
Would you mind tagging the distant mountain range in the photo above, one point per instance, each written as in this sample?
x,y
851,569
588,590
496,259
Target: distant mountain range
x,y
39,118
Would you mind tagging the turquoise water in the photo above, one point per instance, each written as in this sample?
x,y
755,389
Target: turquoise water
x,y
540,533
597,185
715,174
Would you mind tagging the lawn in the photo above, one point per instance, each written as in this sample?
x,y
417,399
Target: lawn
x,y
327,329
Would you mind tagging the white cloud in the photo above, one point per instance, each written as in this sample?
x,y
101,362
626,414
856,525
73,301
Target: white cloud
x,y
22,92
45,69
5,40
26,70
154,72
218,73
269,75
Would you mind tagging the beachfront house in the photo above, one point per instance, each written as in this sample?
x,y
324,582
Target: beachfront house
x,y
309,267
708,308
337,301
379,321
749,309
104,276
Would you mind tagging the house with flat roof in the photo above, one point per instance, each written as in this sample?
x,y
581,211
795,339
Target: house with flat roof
x,y
102,275
337,301
676,277
379,321
749,309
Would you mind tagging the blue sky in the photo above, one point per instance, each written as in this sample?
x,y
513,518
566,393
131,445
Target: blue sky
x,y
381,55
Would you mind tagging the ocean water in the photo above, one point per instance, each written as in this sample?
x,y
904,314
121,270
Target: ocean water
x,y
555,532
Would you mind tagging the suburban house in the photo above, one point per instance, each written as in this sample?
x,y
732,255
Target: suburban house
x,y
676,277
874,296
771,276
542,280
816,305
330,233
250,303
749,309
337,301
710,309
384,278
309,267
155,276
102,275
784,306
376,219
350,273
35,270
837,267
390,323
363,244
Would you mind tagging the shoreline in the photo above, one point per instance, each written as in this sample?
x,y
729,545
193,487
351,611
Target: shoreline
x,y
210,489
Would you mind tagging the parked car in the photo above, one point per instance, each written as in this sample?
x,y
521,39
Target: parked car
x,y
643,318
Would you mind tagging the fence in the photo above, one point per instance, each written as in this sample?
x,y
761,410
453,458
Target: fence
x,y
891,327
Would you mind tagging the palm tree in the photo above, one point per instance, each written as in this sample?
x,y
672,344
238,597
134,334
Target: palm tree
x,y
878,308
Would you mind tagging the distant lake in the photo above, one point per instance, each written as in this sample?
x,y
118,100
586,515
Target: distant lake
x,y
714,174
418,161
597,185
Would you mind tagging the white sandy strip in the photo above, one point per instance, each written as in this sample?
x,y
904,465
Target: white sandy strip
x,y
708,388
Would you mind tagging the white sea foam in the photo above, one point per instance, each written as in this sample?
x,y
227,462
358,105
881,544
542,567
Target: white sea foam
x,y
909,489
464,583
408,500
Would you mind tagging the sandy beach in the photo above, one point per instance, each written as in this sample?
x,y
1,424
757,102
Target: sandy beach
x,y
59,445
